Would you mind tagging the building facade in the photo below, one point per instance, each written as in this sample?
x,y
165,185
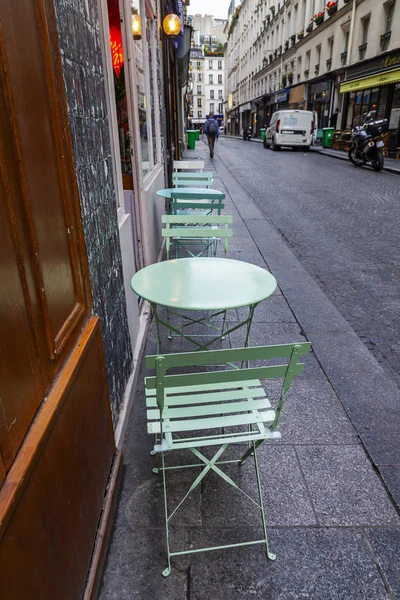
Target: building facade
x,y
306,53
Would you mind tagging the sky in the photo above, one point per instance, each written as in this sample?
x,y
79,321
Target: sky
x,y
216,8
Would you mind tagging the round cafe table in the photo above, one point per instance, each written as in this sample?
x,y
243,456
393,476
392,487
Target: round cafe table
x,y
195,193
203,284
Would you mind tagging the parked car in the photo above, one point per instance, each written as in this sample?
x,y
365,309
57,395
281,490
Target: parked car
x,y
291,128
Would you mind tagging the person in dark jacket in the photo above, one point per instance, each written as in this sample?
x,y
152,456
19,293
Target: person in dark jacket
x,y
211,130
333,119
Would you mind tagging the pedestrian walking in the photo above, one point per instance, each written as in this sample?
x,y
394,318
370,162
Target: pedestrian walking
x,y
211,130
333,119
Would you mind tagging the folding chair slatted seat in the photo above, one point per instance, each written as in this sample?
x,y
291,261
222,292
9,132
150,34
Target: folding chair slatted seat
x,y
196,235
186,202
204,180
183,408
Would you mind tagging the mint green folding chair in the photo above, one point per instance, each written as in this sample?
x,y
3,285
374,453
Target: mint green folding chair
x,y
183,202
216,408
204,180
196,235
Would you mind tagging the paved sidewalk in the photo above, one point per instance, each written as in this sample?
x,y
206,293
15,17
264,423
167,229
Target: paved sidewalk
x,y
390,164
332,522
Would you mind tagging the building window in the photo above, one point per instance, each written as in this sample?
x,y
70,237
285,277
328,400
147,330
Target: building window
x,y
219,78
210,64
211,106
212,94
389,16
385,38
210,79
199,77
198,65
343,56
198,102
220,94
219,64
199,113
364,36
199,89
220,108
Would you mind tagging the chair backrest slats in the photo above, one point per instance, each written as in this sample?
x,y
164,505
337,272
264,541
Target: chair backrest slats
x,y
270,372
183,195
206,357
189,164
198,220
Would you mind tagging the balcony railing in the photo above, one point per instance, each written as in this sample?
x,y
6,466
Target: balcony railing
x,y
385,39
362,49
316,71
343,57
329,64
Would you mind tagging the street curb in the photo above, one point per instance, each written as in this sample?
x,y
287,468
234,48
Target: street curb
x,y
318,151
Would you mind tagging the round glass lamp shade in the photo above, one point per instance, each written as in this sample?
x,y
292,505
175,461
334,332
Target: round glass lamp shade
x,y
136,27
172,25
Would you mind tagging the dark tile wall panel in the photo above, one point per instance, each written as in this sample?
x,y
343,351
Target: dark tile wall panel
x,y
79,39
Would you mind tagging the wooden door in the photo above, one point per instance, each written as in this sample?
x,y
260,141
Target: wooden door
x,y
44,304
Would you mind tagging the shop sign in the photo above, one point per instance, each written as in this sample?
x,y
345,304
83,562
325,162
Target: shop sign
x,y
368,82
391,61
230,101
281,97
245,107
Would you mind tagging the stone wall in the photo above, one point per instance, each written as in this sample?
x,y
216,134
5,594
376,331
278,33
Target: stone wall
x,y
79,39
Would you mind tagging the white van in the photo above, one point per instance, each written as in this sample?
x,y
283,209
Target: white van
x,y
293,128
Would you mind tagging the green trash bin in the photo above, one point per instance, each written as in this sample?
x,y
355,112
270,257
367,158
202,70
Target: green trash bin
x,y
327,137
191,138
197,134
262,134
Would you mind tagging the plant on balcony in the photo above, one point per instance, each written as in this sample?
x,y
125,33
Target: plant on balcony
x,y
300,35
331,7
346,1
293,38
284,80
290,77
287,45
318,18
310,27
272,9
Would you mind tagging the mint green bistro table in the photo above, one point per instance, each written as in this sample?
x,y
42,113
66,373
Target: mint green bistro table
x,y
203,284
196,193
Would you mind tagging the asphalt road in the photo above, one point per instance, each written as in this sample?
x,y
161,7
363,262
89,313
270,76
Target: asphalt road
x,y
342,223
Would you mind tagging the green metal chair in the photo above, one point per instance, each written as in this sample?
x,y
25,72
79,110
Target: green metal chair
x,y
216,408
196,235
186,202
204,180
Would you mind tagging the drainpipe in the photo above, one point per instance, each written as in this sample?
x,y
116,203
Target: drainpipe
x,y
351,36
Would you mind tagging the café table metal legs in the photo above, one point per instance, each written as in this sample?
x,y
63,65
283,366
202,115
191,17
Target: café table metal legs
x,y
216,331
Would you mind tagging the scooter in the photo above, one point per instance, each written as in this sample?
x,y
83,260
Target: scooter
x,y
247,134
367,143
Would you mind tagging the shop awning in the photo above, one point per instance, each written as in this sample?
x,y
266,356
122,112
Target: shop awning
x,y
369,82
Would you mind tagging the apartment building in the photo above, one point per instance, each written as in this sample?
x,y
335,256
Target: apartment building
x,y
317,55
207,69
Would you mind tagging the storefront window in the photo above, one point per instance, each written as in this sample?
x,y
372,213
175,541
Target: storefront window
x,y
119,70
141,89
373,107
381,112
357,108
394,120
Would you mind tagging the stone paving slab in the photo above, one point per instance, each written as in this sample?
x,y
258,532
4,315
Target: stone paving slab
x,y
344,487
315,564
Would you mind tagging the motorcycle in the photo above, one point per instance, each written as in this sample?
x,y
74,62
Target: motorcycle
x,y
247,134
367,143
